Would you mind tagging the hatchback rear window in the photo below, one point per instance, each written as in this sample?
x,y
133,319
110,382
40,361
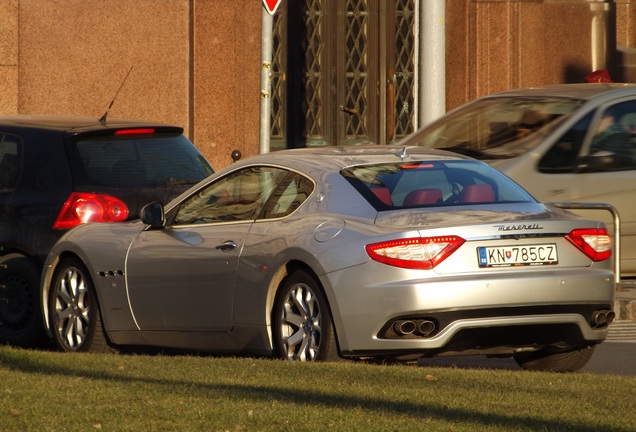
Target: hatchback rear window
x,y
433,183
135,161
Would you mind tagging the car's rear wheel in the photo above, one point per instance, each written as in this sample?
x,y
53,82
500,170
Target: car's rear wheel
x,y
303,330
568,361
74,310
20,305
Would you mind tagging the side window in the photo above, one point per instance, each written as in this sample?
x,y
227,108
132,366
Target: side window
x,y
10,166
239,196
614,138
561,158
289,195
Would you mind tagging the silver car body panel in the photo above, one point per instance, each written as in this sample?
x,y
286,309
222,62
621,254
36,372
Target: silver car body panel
x,y
177,287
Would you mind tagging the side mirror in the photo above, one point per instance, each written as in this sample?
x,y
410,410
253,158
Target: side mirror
x,y
153,214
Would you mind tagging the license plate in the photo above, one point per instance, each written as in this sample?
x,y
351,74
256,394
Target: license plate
x,y
509,256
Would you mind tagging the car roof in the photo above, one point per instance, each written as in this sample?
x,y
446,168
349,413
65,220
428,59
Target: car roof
x,y
585,91
314,160
67,123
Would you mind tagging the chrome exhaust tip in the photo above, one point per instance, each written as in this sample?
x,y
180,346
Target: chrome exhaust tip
x,y
425,327
404,327
602,318
414,327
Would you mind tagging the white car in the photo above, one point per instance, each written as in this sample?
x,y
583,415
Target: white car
x,y
568,142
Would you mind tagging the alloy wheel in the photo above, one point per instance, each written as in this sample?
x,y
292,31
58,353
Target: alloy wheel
x,y
301,323
72,309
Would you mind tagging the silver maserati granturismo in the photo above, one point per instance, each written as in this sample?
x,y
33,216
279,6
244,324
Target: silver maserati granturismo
x,y
368,252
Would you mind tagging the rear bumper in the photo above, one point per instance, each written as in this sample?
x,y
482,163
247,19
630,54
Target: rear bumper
x,y
496,314
495,336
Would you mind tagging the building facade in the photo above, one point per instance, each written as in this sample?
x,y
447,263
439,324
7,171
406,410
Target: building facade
x,y
343,72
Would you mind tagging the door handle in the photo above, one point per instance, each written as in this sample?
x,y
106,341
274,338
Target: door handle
x,y
226,246
350,111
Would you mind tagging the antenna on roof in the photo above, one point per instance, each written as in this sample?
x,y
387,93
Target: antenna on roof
x,y
402,154
102,119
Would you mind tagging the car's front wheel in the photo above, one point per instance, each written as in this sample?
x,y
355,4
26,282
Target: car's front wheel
x,y
303,330
74,311
568,361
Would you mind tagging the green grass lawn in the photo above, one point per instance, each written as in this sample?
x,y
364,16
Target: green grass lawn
x,y
46,391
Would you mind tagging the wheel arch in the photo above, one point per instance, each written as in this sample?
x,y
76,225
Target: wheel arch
x,y
275,284
47,278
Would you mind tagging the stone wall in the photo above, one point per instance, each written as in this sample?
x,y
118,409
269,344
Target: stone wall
x,y
9,57
494,45
195,63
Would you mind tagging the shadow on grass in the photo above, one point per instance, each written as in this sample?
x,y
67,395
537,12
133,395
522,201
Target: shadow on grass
x,y
20,361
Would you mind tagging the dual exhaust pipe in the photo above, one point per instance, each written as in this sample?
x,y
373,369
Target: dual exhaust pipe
x,y
602,318
420,327
424,327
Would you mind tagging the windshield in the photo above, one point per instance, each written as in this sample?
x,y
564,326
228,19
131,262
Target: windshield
x,y
495,127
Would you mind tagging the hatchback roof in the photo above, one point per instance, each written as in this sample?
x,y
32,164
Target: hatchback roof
x,y
65,123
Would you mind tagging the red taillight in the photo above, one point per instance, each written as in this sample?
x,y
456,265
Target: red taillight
x,y
420,253
83,207
137,131
593,242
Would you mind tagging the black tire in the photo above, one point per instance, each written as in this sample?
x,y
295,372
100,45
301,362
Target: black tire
x,y
74,313
303,330
568,361
21,322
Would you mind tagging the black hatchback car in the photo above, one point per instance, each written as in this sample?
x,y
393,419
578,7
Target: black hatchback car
x,y
57,172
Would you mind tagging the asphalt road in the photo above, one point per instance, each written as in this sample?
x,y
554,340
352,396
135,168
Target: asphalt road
x,y
610,358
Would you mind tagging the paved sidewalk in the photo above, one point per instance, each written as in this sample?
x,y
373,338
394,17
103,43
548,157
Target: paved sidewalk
x,y
622,331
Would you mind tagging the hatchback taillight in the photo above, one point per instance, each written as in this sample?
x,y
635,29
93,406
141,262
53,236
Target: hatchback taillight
x,y
420,253
83,207
593,242
137,131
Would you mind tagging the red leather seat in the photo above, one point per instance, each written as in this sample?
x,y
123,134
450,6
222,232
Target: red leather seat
x,y
477,193
383,194
422,197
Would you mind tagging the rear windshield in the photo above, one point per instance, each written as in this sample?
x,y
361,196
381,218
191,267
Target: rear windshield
x,y
433,183
156,160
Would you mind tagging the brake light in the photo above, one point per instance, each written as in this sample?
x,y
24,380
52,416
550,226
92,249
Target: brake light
x,y
137,131
595,243
83,207
420,253
417,166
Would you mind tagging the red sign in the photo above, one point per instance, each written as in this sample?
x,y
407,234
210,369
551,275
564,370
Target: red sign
x,y
271,5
